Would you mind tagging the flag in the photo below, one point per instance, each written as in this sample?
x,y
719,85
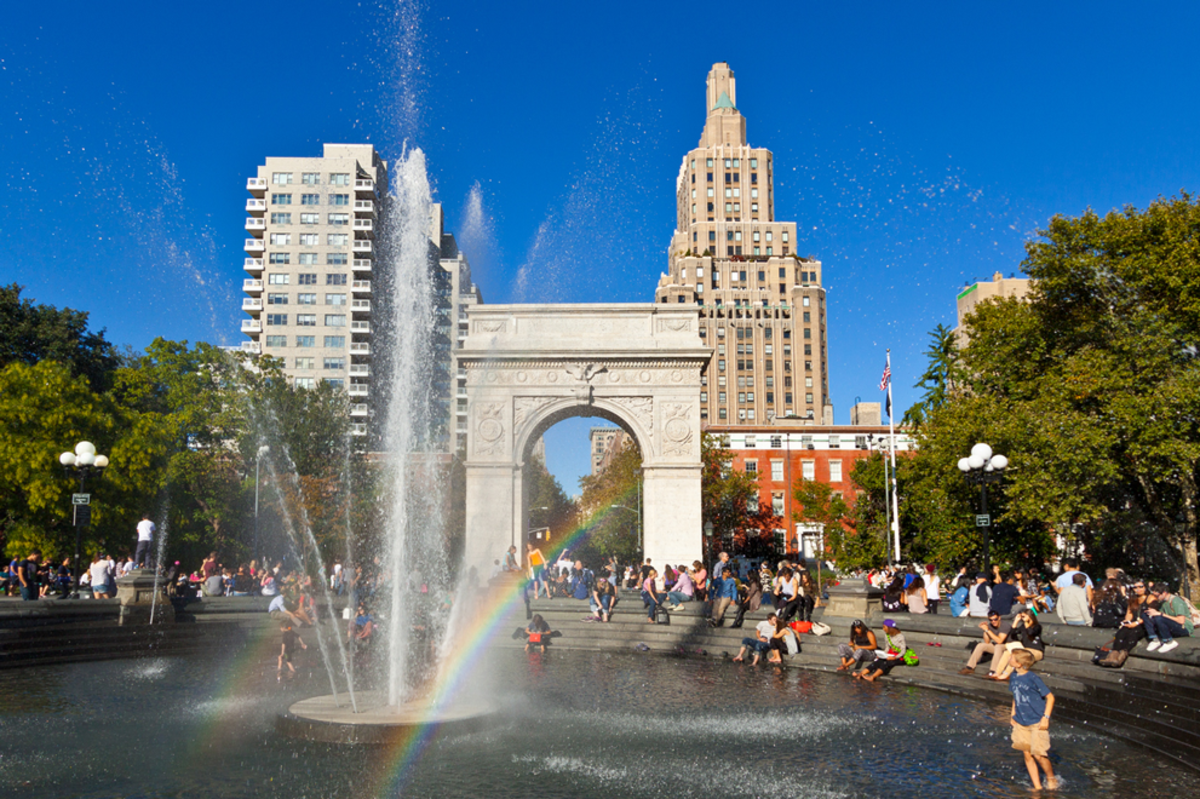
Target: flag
x,y
887,377
889,405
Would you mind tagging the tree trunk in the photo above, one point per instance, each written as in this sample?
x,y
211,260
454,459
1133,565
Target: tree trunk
x,y
1190,578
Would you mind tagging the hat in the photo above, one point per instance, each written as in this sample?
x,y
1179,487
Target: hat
x,y
980,576
889,623
929,568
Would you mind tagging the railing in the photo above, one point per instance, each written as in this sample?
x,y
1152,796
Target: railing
x,y
254,204
362,245
362,264
360,370
251,304
252,284
253,264
360,409
251,346
358,429
251,326
254,223
364,205
360,327
361,286
364,224
364,185
358,391
360,348
255,245
254,184
361,305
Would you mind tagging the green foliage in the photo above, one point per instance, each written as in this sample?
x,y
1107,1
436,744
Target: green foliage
x,y
725,492
542,490
613,530
938,378
31,333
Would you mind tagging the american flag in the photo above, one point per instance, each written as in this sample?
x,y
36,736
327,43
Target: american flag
x,y
887,377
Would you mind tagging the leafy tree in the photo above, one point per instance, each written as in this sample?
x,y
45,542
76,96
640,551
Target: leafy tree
x,y
543,491
613,530
817,503
726,493
938,377
31,333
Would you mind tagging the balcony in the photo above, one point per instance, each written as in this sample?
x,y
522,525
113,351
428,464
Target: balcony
x,y
362,265
252,304
253,265
251,326
363,245
364,207
255,245
360,370
360,410
365,225
360,348
254,206
361,287
360,327
252,347
252,286
361,306
255,223
358,390
364,185
358,429
256,185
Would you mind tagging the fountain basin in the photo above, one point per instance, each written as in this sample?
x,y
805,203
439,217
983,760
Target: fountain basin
x,y
321,718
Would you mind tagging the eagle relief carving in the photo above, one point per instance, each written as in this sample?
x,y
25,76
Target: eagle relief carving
x,y
583,374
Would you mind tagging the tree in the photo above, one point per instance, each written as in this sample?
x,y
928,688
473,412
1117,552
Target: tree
x,y
938,377
817,503
31,333
613,530
549,506
726,494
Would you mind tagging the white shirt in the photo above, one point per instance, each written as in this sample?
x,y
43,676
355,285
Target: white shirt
x,y
99,572
145,530
933,586
765,629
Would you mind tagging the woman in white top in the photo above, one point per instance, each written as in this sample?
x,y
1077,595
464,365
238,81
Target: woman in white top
x,y
787,594
915,597
933,588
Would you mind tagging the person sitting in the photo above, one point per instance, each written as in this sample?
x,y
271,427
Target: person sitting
x,y
279,611
995,632
751,601
959,601
860,649
808,595
887,659
787,594
1172,619
1111,605
1026,634
651,596
783,641
604,594
915,597
537,634
683,590
980,597
1073,605
510,560
893,595
761,643
1004,595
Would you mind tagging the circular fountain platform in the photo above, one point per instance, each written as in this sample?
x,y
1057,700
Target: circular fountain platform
x,y
321,718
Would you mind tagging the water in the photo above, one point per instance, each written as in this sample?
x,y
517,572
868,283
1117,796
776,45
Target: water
x,y
573,724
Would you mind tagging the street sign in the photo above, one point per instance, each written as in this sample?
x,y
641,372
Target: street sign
x,y
983,520
83,515
81,499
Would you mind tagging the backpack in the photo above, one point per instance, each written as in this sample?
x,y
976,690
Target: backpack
x,y
1191,609
801,626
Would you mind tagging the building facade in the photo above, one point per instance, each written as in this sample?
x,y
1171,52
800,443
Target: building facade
x,y
781,455
313,236
762,304
976,293
606,442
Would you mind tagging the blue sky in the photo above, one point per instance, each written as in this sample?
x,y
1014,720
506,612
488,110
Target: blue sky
x,y
917,147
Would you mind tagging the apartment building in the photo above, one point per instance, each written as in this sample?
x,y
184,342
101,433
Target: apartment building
x,y
606,444
762,304
983,290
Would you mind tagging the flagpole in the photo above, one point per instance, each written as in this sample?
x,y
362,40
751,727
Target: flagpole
x,y
892,435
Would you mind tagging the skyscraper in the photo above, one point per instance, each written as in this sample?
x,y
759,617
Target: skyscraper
x,y
313,230
762,307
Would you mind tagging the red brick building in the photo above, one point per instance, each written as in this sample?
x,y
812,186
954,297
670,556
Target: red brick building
x,y
781,454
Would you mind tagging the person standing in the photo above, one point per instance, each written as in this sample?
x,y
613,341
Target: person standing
x,y
145,538
98,573
1031,708
933,588
725,594
27,575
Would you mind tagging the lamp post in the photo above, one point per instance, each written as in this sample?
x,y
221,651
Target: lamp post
x,y
708,536
981,468
263,450
82,463
637,513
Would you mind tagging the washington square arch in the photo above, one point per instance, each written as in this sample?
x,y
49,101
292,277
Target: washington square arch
x,y
531,366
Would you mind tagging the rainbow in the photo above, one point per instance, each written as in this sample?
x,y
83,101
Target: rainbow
x,y
406,750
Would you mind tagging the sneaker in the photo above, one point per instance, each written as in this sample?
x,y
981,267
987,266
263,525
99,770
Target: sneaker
x,y
1168,646
966,670
1153,645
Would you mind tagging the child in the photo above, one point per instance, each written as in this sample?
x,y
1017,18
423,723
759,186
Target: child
x,y
1031,708
537,633
290,639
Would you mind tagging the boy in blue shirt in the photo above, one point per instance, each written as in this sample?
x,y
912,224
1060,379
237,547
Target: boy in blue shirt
x,y
1032,705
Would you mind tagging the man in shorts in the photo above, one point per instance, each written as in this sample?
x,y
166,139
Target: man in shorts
x,y
1031,709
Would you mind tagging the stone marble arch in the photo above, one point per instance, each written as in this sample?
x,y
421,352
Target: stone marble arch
x,y
530,366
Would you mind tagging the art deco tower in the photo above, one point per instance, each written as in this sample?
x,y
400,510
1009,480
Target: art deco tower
x,y
762,307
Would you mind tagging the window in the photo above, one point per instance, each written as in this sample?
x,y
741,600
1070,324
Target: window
x,y
311,178
808,382
835,442
336,259
787,398
307,279
335,363
310,239
721,396
339,219
751,467
721,414
281,239
281,219
835,471
306,319
742,397
339,199
279,258
711,191
721,348
276,341
306,299
336,382
338,239
306,341
308,259
808,469
805,302
277,279
704,396
277,299
306,382
339,179
281,178
276,319
807,316
753,192
335,299
281,199
335,320
752,503
767,349
335,280
335,342
721,364
305,363
777,471
777,504
310,219
808,398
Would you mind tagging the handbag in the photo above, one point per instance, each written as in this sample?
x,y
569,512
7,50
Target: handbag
x,y
821,629
801,626
1102,652
910,657
1115,659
